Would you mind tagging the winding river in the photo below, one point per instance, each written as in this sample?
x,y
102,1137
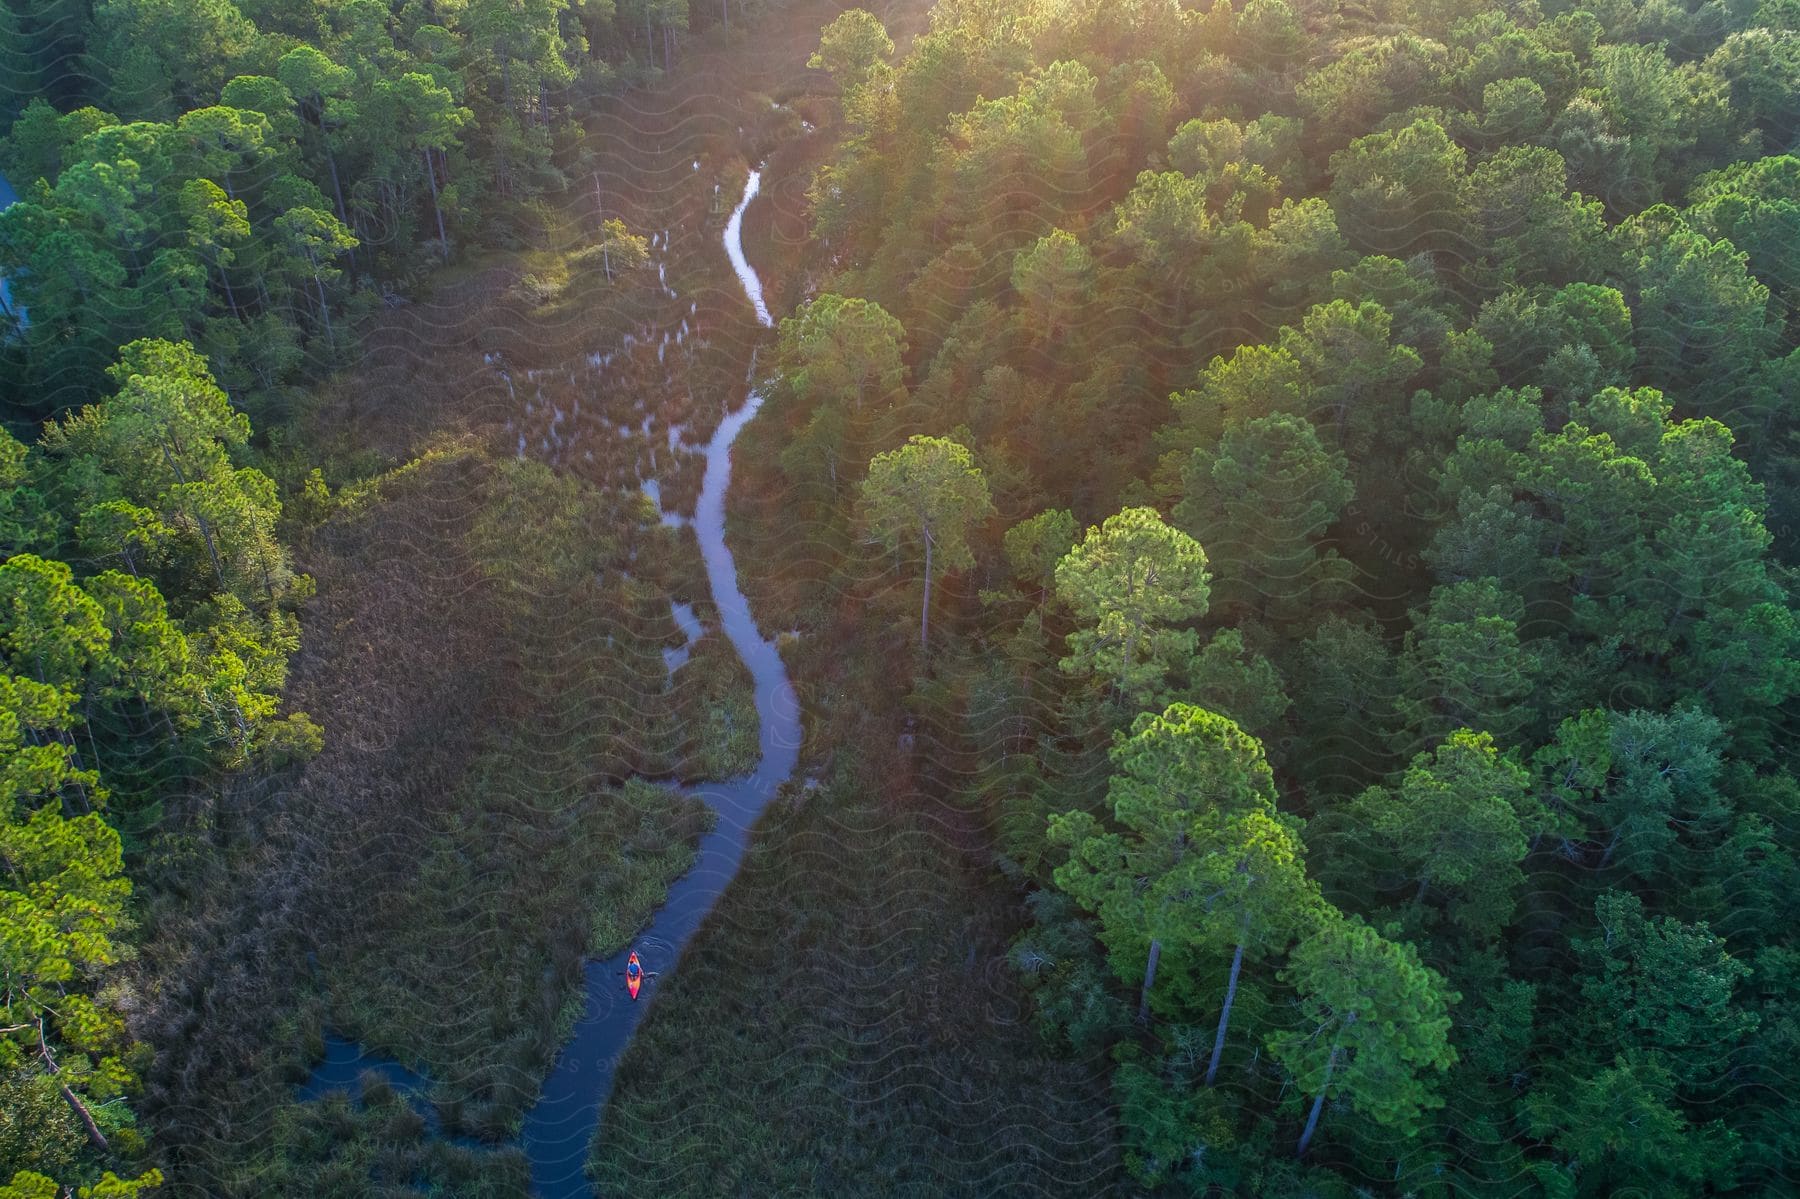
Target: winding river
x,y
558,1130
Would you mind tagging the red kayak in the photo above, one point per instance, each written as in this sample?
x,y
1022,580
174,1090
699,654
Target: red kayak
x,y
634,974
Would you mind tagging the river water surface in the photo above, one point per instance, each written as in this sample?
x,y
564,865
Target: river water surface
x,y
559,1129
8,197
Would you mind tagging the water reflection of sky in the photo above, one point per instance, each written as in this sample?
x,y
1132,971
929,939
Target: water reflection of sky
x,y
7,197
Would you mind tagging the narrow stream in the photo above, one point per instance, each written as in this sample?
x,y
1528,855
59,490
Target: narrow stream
x,y
734,249
559,1129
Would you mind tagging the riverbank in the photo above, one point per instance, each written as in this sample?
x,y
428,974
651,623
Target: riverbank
x,y
434,882
576,388
847,1021
559,1127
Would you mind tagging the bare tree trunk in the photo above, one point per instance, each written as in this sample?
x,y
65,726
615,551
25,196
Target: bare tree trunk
x,y
206,534
925,608
1318,1102
1149,981
337,187
87,725
1312,1120
231,299
74,1100
431,177
67,740
312,260
324,310
1237,964
1132,636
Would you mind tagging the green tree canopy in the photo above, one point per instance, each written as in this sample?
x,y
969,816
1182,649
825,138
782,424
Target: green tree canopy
x,y
1456,825
1127,580
1202,866
840,349
1374,1025
1261,502
928,491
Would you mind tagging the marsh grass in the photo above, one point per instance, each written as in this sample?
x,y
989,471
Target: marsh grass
x,y
846,1021
845,1024
484,651
375,1144
475,828
548,849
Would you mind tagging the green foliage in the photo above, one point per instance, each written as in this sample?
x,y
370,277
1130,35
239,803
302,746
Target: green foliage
x,y
28,1184
1262,500
851,48
1476,332
1374,1024
1356,370
1256,381
1061,964
1035,546
1701,316
1404,190
1489,450
1238,682
928,491
619,249
1054,281
1465,666
1623,1128
163,445
63,919
350,147
119,689
1126,581
842,350
38,1130
1202,867
1456,828
1663,987
1462,338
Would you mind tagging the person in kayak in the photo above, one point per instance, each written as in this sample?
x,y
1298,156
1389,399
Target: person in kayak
x,y
635,974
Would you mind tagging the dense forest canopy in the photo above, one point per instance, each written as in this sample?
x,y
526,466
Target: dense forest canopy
x,y
247,177
1326,476
212,198
1377,666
